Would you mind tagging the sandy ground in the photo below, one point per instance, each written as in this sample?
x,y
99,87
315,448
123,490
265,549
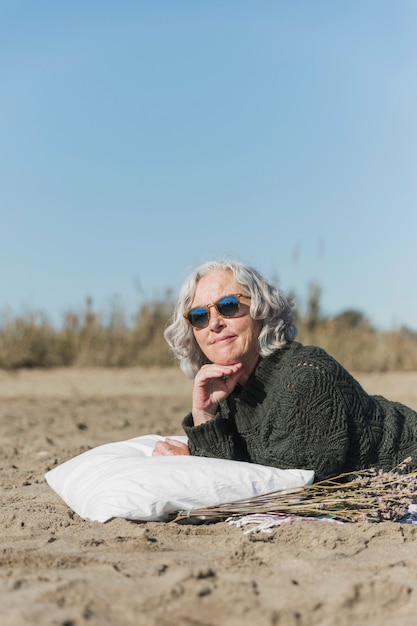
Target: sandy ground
x,y
57,569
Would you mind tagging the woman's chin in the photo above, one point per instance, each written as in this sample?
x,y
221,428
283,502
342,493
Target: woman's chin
x,y
230,360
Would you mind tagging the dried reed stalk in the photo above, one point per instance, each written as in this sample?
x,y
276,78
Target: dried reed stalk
x,y
365,495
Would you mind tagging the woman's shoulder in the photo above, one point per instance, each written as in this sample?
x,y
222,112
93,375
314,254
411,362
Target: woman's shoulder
x,y
306,370
299,358
300,353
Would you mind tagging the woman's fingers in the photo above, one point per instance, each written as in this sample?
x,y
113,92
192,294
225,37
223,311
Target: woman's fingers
x,y
210,371
170,447
213,384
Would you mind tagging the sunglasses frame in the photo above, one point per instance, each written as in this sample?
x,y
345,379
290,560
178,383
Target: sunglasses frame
x,y
207,308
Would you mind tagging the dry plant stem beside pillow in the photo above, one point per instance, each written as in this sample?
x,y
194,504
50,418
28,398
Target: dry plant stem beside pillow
x,y
365,495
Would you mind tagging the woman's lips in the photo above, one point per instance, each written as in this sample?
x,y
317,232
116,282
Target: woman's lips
x,y
223,338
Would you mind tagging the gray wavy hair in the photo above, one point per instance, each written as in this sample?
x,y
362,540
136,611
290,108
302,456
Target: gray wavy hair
x,y
268,304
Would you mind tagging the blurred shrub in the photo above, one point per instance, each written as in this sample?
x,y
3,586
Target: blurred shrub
x,y
87,338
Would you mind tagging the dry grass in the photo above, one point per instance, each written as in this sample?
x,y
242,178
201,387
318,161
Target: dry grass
x,y
91,338
87,338
367,495
364,350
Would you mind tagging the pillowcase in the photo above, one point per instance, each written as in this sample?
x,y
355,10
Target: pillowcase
x,y
123,479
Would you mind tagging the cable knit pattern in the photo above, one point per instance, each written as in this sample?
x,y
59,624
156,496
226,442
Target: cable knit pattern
x,y
301,409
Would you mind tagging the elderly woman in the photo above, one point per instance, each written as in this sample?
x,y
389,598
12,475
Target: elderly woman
x,y
262,397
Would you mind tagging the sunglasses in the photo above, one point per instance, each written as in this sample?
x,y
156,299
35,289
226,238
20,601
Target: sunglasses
x,y
227,306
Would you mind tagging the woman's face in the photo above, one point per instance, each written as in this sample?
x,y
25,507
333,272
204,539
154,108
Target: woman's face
x,y
226,341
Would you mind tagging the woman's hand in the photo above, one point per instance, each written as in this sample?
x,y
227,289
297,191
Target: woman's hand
x,y
170,447
212,384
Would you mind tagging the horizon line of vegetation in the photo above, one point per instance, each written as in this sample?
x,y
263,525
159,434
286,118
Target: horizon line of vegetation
x,y
92,338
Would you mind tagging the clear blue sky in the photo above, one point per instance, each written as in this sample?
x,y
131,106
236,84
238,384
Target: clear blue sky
x,y
140,138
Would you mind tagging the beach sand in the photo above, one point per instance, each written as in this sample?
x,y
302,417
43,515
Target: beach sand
x,y
57,569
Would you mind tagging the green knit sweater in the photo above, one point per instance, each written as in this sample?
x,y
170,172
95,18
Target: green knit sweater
x,y
301,409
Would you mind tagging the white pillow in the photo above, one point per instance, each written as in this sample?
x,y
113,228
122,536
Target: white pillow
x,y
123,479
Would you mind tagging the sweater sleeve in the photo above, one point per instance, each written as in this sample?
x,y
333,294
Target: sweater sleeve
x,y
216,438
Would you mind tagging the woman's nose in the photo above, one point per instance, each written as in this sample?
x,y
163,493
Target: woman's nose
x,y
216,321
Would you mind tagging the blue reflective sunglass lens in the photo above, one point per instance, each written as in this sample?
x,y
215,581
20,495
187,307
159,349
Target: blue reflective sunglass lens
x,y
198,317
227,306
